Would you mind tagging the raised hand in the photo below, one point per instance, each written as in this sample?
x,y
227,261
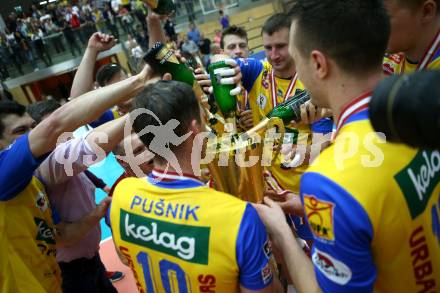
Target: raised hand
x,y
101,42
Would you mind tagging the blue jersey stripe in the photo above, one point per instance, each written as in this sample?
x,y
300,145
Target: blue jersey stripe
x,y
362,115
174,184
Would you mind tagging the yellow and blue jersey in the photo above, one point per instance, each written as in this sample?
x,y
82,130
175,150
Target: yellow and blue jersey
x,y
27,239
374,213
281,176
398,64
179,235
257,81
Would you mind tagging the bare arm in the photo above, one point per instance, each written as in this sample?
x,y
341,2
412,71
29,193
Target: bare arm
x,y
83,110
155,30
67,234
108,135
83,81
298,264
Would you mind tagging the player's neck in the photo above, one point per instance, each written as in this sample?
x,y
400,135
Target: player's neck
x,y
417,52
184,164
350,88
285,73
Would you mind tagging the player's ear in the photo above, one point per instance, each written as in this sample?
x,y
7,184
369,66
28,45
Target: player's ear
x,y
195,126
429,11
319,64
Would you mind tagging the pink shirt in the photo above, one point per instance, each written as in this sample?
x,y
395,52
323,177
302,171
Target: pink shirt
x,y
71,194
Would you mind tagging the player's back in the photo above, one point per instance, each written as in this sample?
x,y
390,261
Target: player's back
x,y
179,234
384,198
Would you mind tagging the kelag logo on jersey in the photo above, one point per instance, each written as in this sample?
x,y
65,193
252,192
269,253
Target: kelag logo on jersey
x,y
188,243
418,180
44,233
320,216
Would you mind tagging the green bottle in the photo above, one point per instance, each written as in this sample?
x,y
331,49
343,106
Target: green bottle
x,y
225,101
290,110
163,60
162,7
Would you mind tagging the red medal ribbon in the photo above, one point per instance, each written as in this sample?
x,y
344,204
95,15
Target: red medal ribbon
x,y
429,54
273,86
355,106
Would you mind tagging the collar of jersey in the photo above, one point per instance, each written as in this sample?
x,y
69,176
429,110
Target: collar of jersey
x,y
350,111
173,180
362,115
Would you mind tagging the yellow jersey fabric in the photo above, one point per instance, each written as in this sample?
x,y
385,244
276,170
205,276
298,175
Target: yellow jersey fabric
x,y
374,213
258,81
27,238
181,236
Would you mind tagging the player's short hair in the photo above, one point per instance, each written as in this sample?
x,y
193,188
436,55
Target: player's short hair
x,y
353,33
7,108
233,30
275,23
167,100
106,72
40,109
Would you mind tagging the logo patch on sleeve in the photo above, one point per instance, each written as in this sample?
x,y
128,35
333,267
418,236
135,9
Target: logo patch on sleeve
x,y
266,273
267,248
262,101
320,216
332,268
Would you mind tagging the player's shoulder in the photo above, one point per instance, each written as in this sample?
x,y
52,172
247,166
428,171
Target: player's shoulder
x,y
266,65
435,64
129,183
223,197
358,152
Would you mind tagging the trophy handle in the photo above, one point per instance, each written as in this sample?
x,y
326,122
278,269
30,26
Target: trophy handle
x,y
279,124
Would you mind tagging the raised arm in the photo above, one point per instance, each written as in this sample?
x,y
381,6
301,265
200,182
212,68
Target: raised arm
x,y
155,30
83,81
108,135
83,110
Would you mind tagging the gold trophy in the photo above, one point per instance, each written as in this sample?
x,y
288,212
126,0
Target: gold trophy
x,y
237,166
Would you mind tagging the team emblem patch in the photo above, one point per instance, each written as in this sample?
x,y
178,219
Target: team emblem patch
x,y
266,273
320,216
41,202
262,101
333,269
267,249
388,68
395,57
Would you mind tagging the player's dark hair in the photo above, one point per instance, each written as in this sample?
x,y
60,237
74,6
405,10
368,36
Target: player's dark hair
x,y
167,100
40,109
353,33
275,23
233,30
106,72
7,108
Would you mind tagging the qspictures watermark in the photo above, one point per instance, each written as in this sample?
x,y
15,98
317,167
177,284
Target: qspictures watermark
x,y
208,148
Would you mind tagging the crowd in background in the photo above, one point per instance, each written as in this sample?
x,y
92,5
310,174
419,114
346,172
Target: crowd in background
x,y
32,35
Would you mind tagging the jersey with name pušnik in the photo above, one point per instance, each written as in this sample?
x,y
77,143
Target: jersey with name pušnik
x,y
182,234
